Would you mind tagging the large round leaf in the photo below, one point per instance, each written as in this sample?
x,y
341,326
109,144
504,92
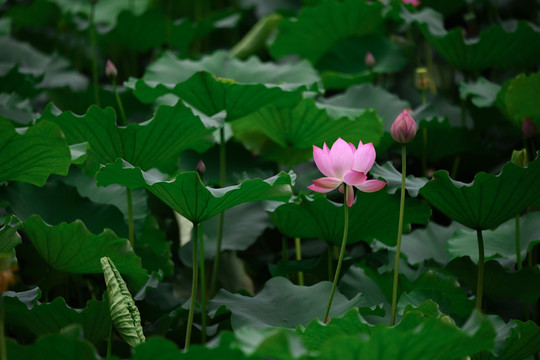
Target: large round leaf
x,y
74,249
188,196
155,143
319,28
283,304
521,98
373,216
286,134
488,201
514,43
32,154
212,95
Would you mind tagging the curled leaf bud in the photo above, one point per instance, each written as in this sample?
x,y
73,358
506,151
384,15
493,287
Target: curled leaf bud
x,y
528,128
110,69
369,60
201,168
404,128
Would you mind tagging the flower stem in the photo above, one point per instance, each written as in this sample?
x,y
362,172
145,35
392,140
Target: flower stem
x,y
203,285
222,180
119,102
480,281
298,249
94,52
518,244
130,218
341,254
193,285
400,230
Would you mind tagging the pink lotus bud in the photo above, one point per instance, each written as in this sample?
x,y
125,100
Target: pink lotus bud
x,y
369,60
414,3
528,128
201,168
110,69
404,128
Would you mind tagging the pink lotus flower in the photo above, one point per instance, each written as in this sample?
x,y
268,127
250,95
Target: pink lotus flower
x,y
344,164
414,3
403,128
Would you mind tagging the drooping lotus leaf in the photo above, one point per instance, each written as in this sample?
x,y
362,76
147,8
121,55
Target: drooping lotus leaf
x,y
489,200
368,96
319,28
9,237
72,248
429,243
23,310
483,93
211,94
286,134
415,337
124,313
500,242
283,304
59,346
156,143
169,71
54,70
393,179
512,44
515,340
56,202
242,225
521,98
32,153
499,283
373,216
187,195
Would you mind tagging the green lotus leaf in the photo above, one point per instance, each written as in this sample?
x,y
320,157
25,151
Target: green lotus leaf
x,y
515,340
124,313
368,96
154,249
155,143
169,71
489,200
9,237
212,95
55,346
393,179
242,225
24,311
512,44
319,28
521,98
499,283
416,337
500,242
289,132
72,248
56,202
14,108
373,216
33,153
283,304
483,93
188,196
52,71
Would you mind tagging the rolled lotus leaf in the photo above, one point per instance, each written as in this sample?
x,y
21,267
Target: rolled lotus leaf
x,y
124,313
